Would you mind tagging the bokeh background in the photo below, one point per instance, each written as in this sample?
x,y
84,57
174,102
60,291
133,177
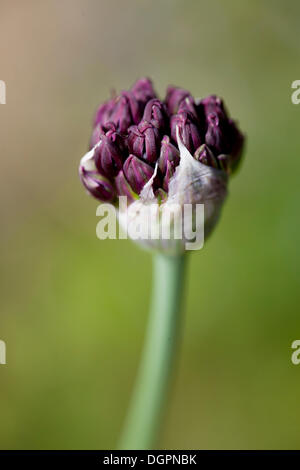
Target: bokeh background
x,y
73,308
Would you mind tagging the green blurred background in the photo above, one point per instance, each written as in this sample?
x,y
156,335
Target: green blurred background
x,y
73,308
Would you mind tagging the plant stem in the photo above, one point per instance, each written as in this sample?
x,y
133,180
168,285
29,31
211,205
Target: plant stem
x,y
151,389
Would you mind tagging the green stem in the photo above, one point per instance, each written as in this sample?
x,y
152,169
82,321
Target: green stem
x,y
150,394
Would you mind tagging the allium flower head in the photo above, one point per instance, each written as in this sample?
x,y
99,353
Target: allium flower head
x,y
176,150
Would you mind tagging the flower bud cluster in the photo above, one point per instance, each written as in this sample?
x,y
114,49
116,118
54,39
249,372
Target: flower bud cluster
x,y
135,138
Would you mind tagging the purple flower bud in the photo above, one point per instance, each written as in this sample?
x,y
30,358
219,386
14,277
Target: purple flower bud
x,y
187,105
213,104
174,97
108,157
115,136
143,91
137,173
109,129
138,124
97,185
155,113
204,155
216,136
168,152
170,170
126,111
123,187
143,141
135,137
188,131
104,112
222,134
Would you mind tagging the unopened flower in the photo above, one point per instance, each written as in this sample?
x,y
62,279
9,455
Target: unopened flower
x,y
174,97
137,173
162,152
168,153
189,131
108,155
143,91
144,141
204,155
96,184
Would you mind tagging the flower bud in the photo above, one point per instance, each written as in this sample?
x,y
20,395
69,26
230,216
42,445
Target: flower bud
x,y
143,141
222,134
96,184
109,129
143,91
164,155
126,111
187,105
168,152
124,188
215,136
108,157
188,131
204,155
137,173
174,97
155,113
104,112
213,104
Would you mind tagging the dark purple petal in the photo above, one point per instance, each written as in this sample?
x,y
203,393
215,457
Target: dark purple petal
x,y
137,173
